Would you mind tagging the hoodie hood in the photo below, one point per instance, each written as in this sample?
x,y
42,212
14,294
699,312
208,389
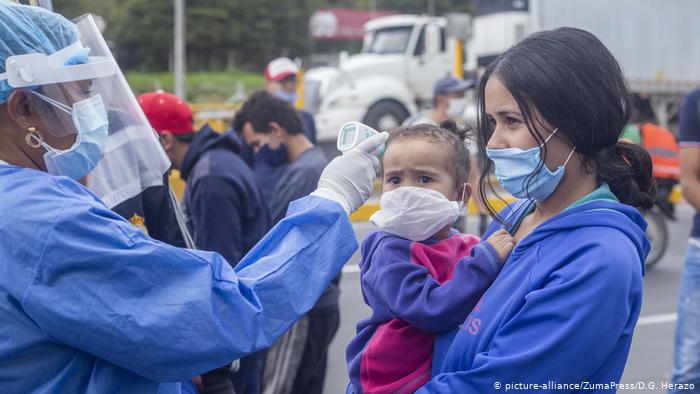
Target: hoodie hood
x,y
246,152
205,140
598,213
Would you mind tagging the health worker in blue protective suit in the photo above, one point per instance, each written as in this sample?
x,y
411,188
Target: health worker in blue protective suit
x,y
564,307
88,302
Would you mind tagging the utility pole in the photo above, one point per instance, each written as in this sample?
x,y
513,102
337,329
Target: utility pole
x,y
180,49
431,7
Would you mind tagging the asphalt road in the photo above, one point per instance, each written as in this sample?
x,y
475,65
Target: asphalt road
x,y
651,356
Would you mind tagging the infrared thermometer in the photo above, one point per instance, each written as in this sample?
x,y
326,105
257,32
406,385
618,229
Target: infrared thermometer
x,y
352,134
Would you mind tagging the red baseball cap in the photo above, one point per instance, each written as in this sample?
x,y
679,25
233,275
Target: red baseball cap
x,y
280,68
167,112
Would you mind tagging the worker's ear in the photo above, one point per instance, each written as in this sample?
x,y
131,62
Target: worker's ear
x,y
277,131
167,139
20,111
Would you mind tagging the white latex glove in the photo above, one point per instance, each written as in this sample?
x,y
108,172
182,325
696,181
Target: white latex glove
x,y
348,179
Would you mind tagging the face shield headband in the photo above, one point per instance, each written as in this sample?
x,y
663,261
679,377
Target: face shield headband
x,y
70,64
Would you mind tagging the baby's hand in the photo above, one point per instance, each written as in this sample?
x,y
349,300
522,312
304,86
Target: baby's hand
x,y
502,242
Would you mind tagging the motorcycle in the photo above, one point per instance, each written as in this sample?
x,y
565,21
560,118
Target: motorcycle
x,y
657,221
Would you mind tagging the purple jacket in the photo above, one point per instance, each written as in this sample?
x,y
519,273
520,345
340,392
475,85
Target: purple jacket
x,y
416,290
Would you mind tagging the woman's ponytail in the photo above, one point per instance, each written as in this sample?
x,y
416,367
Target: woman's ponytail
x,y
627,169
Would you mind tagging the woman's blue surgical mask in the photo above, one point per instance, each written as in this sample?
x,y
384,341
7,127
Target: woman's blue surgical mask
x,y
515,170
90,119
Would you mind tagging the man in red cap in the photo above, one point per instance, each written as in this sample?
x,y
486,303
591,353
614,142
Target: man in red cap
x,y
155,210
281,80
222,202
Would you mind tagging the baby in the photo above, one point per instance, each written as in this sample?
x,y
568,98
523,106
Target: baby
x,y
419,276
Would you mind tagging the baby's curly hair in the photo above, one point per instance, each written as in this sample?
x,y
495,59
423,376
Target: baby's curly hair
x,y
447,132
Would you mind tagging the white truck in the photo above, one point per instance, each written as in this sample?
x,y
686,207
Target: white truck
x,y
657,42
401,59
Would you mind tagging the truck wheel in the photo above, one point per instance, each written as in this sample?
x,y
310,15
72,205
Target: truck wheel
x,y
385,115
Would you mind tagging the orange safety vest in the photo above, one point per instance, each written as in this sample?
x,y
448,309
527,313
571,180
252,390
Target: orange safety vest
x,y
663,148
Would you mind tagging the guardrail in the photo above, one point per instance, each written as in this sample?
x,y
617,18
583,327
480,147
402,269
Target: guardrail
x,y
217,115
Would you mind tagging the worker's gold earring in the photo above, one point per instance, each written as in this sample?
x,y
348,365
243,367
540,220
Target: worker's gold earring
x,y
34,138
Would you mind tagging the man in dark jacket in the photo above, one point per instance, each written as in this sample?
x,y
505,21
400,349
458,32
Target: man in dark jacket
x,y
222,204
296,363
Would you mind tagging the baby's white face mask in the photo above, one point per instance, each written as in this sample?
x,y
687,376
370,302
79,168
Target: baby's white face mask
x,y
415,213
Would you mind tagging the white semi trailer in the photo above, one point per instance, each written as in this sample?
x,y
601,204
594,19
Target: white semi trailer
x,y
657,42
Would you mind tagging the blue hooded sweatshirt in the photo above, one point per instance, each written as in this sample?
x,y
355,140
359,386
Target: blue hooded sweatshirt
x,y
561,312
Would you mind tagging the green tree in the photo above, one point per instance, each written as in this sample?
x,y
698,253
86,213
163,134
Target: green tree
x,y
74,8
143,33
221,34
208,33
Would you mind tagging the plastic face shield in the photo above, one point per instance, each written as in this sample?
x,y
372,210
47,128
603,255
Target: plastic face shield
x,y
65,77
352,134
133,159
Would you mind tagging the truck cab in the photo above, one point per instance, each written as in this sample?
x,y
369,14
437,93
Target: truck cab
x,y
390,79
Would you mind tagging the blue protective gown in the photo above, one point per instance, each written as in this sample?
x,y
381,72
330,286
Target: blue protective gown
x,y
90,304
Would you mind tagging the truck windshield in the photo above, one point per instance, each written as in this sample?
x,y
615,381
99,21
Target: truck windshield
x,y
387,41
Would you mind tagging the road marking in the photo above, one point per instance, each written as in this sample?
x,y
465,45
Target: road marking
x,y
351,269
657,319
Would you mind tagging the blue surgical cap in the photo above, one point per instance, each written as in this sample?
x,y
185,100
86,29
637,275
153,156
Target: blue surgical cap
x,y
26,29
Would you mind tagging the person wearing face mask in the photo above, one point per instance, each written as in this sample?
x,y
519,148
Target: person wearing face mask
x,y
270,164
88,302
266,122
419,276
297,363
564,307
281,80
449,103
222,205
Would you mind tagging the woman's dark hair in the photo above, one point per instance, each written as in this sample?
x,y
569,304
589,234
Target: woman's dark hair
x,y
575,84
447,132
